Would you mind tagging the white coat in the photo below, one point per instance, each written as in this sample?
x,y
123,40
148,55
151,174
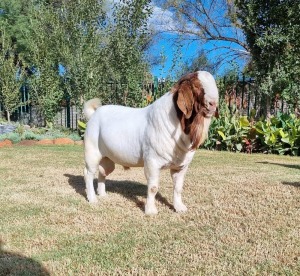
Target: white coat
x,y
163,135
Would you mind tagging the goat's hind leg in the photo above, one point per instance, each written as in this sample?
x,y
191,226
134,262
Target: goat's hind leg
x,y
92,159
106,166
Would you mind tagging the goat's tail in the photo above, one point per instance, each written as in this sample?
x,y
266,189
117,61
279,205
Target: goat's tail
x,y
90,107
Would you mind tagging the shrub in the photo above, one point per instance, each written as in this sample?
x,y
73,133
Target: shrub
x,y
280,134
229,132
21,133
12,136
75,137
29,135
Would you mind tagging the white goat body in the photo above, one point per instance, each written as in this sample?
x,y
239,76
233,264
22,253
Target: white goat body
x,y
152,137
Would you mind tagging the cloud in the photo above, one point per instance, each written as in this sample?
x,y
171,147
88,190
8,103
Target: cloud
x,y
162,20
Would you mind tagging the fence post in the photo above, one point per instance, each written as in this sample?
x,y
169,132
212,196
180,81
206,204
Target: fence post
x,y
249,91
155,87
68,113
255,98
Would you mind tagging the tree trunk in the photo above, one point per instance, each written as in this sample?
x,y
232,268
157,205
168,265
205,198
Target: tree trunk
x,y
268,107
8,116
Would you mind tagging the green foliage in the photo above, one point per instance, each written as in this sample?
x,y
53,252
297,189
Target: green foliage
x,y
30,135
12,136
94,42
47,92
279,135
10,75
272,32
229,132
81,127
21,133
74,137
15,20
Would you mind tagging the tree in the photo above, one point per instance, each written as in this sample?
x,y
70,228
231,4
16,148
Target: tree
x,y
95,44
201,62
128,39
14,16
211,24
10,76
68,35
272,30
92,41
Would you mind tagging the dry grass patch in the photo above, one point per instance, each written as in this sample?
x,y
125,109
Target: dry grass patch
x,y
243,217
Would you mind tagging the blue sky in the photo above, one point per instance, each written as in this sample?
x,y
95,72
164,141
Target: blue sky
x,y
187,52
166,48
165,21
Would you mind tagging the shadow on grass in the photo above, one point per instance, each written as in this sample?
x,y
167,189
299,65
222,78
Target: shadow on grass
x,y
129,189
294,184
16,264
297,167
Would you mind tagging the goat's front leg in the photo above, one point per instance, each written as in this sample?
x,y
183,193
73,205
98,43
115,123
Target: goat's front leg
x,y
178,179
152,176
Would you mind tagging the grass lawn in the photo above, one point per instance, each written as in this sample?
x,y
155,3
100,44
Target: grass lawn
x,y
243,217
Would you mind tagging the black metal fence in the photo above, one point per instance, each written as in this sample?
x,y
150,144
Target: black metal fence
x,y
70,113
243,95
240,94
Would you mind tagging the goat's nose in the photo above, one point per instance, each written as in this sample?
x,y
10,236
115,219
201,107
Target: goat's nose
x,y
212,105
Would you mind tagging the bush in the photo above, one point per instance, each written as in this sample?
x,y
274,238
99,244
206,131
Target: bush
x,y
29,135
12,136
74,137
22,133
280,134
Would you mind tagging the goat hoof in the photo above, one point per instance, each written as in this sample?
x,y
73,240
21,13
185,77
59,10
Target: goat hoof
x,y
93,200
180,208
150,210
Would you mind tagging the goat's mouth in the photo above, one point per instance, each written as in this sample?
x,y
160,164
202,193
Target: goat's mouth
x,y
209,112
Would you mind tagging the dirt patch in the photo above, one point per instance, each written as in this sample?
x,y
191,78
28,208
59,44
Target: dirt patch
x,y
5,143
63,141
27,143
45,142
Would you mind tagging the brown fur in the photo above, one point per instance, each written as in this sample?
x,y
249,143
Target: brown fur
x,y
189,103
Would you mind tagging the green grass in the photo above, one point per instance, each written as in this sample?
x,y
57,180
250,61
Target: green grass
x,y
243,217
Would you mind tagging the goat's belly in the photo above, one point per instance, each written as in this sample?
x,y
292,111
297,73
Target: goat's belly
x,y
126,161
127,155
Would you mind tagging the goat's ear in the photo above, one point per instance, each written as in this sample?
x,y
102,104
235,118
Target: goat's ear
x,y
185,100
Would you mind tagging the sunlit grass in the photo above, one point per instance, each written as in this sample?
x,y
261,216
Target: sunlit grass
x,y
243,217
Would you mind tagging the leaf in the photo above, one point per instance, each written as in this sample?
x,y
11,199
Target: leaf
x,y
81,125
222,134
273,138
285,140
244,121
283,134
239,147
